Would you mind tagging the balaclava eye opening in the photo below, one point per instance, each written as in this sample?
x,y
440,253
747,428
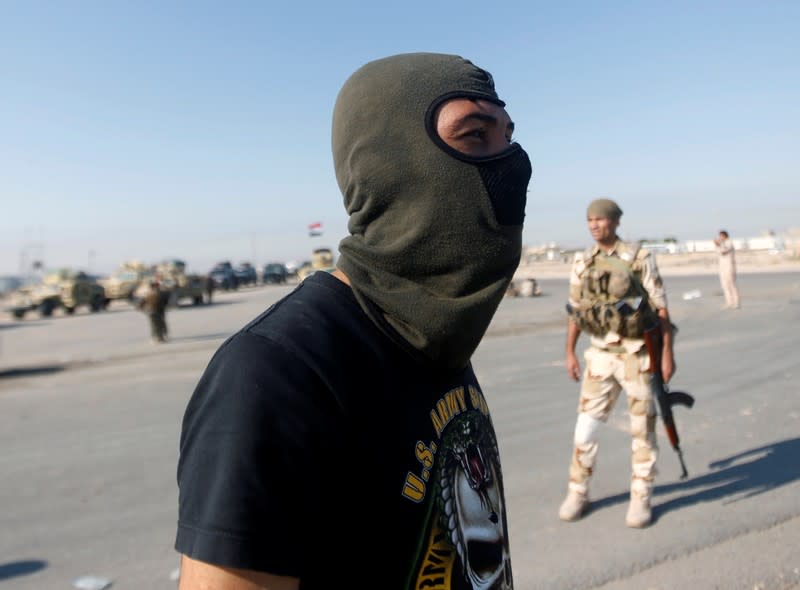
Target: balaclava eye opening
x,y
503,174
435,235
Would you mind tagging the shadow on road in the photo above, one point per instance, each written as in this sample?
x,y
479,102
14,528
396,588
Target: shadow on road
x,y
30,371
205,305
25,323
20,568
744,475
202,337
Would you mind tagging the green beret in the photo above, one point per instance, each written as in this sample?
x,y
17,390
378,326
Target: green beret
x,y
604,208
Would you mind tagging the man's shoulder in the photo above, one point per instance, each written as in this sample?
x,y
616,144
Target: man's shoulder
x,y
316,303
580,261
320,321
585,255
312,325
630,251
644,257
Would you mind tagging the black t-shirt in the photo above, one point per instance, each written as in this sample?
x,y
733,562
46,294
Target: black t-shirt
x,y
315,446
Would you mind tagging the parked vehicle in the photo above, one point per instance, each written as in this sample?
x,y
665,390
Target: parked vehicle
x,y
274,273
173,279
122,284
246,274
224,277
321,259
65,289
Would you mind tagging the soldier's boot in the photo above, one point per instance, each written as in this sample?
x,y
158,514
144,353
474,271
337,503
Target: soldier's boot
x,y
574,506
639,512
581,466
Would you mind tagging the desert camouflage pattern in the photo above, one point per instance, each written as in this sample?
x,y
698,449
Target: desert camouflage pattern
x,y
606,374
65,288
172,278
614,363
122,284
321,259
586,289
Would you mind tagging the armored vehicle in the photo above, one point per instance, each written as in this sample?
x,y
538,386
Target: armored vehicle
x,y
65,289
122,284
274,273
321,259
224,276
171,276
246,274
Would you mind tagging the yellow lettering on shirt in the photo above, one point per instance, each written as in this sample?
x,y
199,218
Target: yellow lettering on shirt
x,y
437,567
448,407
478,401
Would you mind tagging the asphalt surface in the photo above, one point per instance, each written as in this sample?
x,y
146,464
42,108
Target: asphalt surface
x,y
90,416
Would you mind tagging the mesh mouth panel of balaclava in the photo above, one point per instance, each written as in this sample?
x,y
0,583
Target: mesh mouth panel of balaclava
x,y
430,247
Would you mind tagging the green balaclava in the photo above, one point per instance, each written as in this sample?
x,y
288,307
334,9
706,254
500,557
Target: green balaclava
x,y
435,236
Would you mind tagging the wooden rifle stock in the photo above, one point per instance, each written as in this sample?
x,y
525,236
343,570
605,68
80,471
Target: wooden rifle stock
x,y
654,341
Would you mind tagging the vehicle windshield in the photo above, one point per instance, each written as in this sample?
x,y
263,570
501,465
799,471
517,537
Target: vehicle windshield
x,y
127,276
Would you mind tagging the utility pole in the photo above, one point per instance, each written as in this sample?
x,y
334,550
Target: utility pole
x,y
31,255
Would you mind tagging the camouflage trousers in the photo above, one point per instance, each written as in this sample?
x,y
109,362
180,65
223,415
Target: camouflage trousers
x,y
158,326
605,375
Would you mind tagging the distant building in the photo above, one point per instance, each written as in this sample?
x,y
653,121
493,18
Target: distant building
x,y
664,247
788,243
551,252
705,245
768,243
772,243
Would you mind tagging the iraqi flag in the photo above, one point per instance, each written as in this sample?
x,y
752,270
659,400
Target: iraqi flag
x,y
315,229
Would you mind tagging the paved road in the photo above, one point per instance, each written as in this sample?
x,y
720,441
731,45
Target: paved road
x,y
90,415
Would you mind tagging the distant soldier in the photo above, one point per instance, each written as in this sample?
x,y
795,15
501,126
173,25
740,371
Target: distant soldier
x,y
727,269
154,304
209,289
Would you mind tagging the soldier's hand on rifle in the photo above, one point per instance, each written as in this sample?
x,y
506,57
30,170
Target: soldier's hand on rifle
x,y
667,365
573,367
665,346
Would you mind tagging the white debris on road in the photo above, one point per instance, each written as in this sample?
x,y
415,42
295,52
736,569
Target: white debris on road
x,y
92,583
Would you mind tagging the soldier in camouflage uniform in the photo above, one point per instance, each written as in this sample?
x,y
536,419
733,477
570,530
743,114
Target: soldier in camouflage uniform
x,y
154,304
616,293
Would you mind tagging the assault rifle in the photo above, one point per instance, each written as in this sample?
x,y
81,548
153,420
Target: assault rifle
x,y
666,399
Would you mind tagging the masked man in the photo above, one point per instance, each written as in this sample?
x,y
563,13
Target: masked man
x,y
341,439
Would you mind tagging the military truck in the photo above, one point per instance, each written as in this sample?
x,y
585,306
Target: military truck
x,y
224,276
274,273
124,281
321,259
171,276
64,289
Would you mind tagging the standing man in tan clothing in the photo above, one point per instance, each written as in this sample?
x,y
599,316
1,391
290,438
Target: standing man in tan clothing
x,y
616,294
727,269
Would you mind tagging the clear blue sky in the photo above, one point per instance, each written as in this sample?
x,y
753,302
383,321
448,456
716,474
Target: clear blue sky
x,y
201,130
